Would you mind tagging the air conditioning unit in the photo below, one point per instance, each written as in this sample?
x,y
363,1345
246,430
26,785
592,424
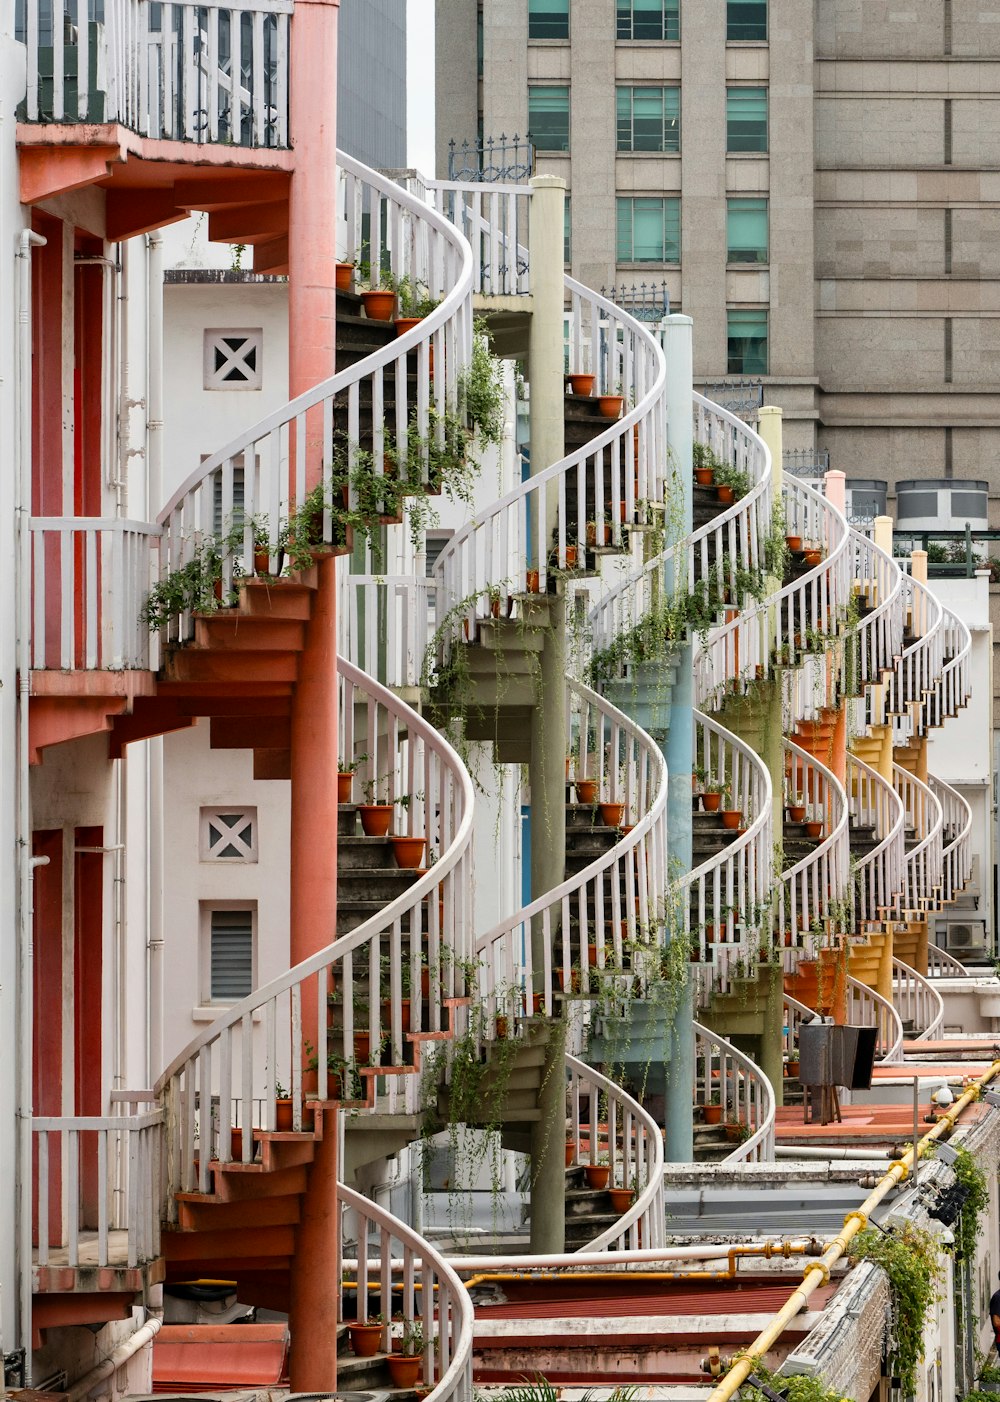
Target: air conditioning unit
x,y
965,938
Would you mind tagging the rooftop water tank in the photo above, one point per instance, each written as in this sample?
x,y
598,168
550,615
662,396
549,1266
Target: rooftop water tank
x,y
866,498
942,504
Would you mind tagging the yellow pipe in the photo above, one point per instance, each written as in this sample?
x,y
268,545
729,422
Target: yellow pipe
x,y
817,1273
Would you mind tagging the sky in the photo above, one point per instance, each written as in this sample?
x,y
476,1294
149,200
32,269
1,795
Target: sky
x,y
420,85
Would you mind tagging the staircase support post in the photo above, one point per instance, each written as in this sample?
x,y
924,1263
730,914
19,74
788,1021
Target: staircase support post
x,y
678,747
312,216
546,367
547,772
315,1294
548,1156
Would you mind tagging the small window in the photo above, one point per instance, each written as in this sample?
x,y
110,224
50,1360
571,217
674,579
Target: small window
x,y
648,230
649,119
567,232
229,834
746,19
649,19
548,118
747,341
746,231
234,359
231,972
548,19
746,119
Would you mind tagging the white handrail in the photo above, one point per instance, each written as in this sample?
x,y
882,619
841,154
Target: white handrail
x,y
611,475
867,1008
608,919
953,690
441,1303
385,624
732,541
220,1059
744,1090
922,864
271,458
942,964
725,901
814,886
635,1151
917,1001
956,838
917,675
494,218
879,594
874,803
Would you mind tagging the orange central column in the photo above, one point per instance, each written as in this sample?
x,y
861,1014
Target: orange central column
x,y
312,255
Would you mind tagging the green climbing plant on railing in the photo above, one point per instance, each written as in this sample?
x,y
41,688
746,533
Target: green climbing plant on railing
x,y
910,1258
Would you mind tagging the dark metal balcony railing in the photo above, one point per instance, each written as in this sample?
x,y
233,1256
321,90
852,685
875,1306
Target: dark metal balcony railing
x,y
646,301
206,72
503,159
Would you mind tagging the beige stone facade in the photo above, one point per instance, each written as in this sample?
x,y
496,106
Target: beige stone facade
x,y
882,177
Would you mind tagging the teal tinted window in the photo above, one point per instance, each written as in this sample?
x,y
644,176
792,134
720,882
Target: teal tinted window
x,y
548,118
747,342
649,119
746,231
567,226
746,19
648,230
746,119
648,19
548,19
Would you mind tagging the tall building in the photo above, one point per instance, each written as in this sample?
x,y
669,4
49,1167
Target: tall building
x,y
371,82
813,183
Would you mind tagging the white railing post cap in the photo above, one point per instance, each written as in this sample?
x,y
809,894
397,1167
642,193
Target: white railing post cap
x,y
547,182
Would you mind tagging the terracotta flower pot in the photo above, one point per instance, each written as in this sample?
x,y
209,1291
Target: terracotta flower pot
x,y
794,543
610,405
261,561
404,1013
406,323
283,1115
597,1175
408,850
796,812
582,384
379,305
570,1152
812,557
711,802
704,476
814,830
345,786
404,1368
712,1114
363,1048
502,1025
365,1339
376,819
571,557
621,1198
611,814
344,276
731,817
793,1068
531,581
725,495
586,790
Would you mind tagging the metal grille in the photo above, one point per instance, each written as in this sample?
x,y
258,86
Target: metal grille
x,y
232,955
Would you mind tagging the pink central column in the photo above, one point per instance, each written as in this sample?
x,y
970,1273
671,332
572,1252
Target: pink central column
x,y
312,224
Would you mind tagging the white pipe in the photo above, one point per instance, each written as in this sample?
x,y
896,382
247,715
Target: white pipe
x,y
709,1251
110,1365
25,862
813,1151
154,748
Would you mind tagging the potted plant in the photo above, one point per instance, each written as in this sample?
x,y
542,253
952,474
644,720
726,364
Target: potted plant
x,y
732,818
344,275
731,483
597,1174
366,1335
796,808
737,1131
414,303
581,385
711,1111
794,543
711,798
378,294
610,405
346,770
611,814
703,461
531,581
407,850
586,791
404,1367
814,829
376,818
621,1198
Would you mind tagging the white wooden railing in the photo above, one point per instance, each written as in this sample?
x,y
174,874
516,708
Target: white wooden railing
x,y
619,468
604,1121
205,72
917,675
814,887
878,874
956,838
794,1015
404,755
110,1164
724,904
385,623
609,920
494,219
878,589
952,692
917,1002
397,1270
715,553
88,580
941,964
789,625
745,1093
867,1008
415,242
922,864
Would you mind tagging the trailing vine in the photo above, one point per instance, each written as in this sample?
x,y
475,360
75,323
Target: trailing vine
x,y
909,1256
969,1226
798,1387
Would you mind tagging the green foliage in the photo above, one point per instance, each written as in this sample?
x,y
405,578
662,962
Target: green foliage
x,y
190,588
797,1388
969,1226
481,389
909,1257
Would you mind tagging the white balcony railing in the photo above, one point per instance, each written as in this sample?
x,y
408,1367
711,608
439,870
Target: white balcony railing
x,y
878,592
181,71
917,1002
878,874
740,1086
916,679
98,1196
813,889
398,1271
384,625
956,838
88,580
867,1008
494,218
922,864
